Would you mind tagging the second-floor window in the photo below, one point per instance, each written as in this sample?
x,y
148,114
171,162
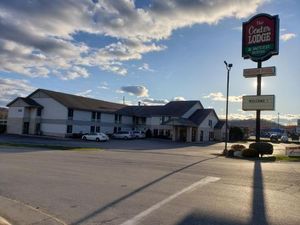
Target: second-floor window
x,y
70,113
210,123
93,115
98,115
38,112
118,118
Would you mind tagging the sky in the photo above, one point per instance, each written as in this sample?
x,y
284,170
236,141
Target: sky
x,y
148,51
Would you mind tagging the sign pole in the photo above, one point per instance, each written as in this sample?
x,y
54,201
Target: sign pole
x,y
258,111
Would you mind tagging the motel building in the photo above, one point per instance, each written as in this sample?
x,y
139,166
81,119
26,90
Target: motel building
x,y
50,113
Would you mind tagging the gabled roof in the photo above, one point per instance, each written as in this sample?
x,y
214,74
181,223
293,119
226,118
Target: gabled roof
x,y
141,111
79,102
175,109
220,124
27,100
179,108
199,115
180,122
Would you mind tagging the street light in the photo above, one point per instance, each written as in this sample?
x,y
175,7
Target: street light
x,y
228,67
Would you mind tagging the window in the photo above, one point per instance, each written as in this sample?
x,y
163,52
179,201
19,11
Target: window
x,y
70,113
69,129
98,115
92,130
39,112
210,123
97,129
20,110
93,115
118,118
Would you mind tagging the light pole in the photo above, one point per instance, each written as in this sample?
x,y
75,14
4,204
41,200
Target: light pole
x,y
228,67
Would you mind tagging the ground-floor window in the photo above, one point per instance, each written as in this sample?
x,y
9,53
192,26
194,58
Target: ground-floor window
x,y
161,132
97,129
92,130
69,129
168,133
38,128
155,132
211,136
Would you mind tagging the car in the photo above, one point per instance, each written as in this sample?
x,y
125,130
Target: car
x,y
274,137
123,135
284,138
139,134
95,137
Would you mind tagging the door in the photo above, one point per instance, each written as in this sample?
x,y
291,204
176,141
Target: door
x,y
25,127
201,135
182,134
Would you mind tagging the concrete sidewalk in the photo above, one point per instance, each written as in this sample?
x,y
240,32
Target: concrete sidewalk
x,y
17,213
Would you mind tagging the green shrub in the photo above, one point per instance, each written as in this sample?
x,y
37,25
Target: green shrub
x,y
236,134
237,147
249,152
230,153
263,148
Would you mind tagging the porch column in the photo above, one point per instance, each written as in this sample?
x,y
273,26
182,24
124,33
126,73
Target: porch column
x,y
174,133
189,134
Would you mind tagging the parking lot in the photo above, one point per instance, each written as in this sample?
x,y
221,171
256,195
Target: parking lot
x,y
143,182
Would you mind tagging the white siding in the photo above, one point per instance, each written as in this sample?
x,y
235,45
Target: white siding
x,y
82,115
127,120
52,109
205,126
53,129
81,128
16,112
107,118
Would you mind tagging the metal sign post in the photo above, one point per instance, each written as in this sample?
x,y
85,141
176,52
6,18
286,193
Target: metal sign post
x,y
258,93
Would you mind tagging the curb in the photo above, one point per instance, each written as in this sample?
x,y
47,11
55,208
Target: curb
x,y
4,221
18,213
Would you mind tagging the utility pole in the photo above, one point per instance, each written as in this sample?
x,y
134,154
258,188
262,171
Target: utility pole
x,y
228,67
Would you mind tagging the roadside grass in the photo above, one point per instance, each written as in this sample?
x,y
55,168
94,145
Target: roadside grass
x,y
287,158
53,147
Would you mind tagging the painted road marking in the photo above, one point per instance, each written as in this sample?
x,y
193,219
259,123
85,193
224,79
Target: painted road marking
x,y
135,220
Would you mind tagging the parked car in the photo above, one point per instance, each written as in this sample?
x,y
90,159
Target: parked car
x,y
274,137
139,134
95,137
284,138
123,135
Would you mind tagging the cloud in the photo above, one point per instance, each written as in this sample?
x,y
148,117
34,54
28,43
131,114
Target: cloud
x,y
218,96
12,88
287,36
85,93
178,98
39,39
140,91
104,85
146,67
151,101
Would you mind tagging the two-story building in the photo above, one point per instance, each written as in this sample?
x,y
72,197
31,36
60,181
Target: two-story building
x,y
51,113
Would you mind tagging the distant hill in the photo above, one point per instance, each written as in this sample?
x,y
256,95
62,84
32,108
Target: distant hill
x,y
3,113
251,124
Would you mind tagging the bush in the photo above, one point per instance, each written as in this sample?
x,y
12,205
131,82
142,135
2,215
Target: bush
x,y
262,148
237,147
249,152
230,153
236,134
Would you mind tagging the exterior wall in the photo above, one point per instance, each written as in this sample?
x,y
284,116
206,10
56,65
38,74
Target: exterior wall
x,y
204,126
192,110
54,129
82,115
15,120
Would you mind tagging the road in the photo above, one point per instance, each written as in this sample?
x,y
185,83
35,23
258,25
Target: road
x,y
178,185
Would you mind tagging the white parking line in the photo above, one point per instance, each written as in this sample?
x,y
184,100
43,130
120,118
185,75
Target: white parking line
x,y
135,220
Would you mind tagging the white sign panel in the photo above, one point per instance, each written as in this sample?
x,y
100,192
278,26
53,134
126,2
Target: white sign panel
x,y
292,151
264,72
261,102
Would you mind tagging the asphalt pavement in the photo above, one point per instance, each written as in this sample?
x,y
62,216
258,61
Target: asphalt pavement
x,y
168,183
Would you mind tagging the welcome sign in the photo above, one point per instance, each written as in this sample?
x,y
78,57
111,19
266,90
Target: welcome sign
x,y
260,37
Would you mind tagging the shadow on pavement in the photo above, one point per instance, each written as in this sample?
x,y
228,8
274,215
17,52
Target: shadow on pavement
x,y
258,216
84,219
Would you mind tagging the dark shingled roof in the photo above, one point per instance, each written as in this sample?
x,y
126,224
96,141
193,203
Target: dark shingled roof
x,y
180,122
199,115
175,108
28,101
82,103
220,124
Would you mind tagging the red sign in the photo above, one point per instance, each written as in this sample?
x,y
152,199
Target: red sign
x,y
260,37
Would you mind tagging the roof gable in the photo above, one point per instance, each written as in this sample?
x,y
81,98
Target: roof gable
x,y
28,102
200,115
